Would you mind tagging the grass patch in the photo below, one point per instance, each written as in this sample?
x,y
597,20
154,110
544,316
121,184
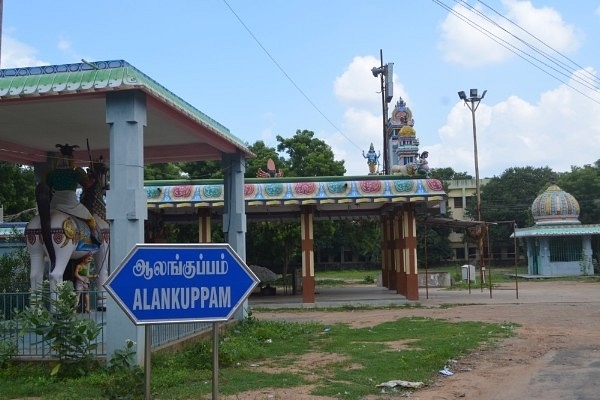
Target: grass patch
x,y
336,360
346,277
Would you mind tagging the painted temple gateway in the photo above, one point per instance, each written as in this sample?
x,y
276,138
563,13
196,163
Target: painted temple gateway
x,y
558,244
403,144
395,199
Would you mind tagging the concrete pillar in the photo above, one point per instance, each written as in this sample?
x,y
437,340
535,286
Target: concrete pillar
x,y
126,203
409,228
390,259
587,264
204,225
308,258
399,265
234,213
385,266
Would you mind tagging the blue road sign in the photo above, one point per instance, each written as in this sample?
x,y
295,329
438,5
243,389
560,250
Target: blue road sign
x,y
165,283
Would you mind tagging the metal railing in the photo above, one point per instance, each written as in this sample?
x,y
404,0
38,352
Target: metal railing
x,y
30,345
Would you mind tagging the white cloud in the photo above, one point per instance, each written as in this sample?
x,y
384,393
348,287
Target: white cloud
x,y
562,37
479,37
18,54
561,130
357,84
360,92
64,46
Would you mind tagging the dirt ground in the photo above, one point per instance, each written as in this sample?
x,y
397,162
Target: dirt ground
x,y
554,355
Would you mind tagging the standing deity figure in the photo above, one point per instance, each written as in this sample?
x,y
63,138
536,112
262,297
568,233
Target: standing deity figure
x,y
372,159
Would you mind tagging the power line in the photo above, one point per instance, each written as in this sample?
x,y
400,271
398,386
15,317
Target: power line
x,y
560,64
528,57
592,76
289,78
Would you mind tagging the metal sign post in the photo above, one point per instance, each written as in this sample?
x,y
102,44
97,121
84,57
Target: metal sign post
x,y
174,283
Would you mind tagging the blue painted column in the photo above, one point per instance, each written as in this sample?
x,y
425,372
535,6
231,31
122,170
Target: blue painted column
x,y
126,203
234,213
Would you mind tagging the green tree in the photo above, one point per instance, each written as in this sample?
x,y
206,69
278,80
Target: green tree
x,y
202,169
435,241
361,236
309,156
164,171
263,154
584,184
273,244
14,270
18,190
508,198
212,169
448,174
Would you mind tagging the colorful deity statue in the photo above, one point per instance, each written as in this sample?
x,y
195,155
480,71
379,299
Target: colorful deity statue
x,y
63,181
372,159
271,171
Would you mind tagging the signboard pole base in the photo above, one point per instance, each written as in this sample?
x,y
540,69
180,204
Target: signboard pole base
x,y
147,361
215,381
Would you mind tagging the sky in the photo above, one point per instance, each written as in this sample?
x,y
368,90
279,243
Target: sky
x,y
265,68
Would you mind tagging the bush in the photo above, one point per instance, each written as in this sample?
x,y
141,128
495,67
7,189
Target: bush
x,y
53,317
125,379
8,342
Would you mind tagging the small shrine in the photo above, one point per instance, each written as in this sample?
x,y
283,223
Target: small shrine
x,y
403,145
558,244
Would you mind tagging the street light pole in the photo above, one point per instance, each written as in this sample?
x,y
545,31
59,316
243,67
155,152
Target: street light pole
x,y
473,103
385,72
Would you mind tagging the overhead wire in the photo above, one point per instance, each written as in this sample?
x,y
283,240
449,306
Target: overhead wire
x,y
560,65
288,77
528,57
544,61
594,78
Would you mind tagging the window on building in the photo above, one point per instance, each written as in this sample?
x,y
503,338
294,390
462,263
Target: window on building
x,y
471,201
565,249
458,202
460,253
472,252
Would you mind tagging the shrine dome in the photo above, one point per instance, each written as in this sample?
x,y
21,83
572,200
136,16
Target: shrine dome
x,y
555,206
407,130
